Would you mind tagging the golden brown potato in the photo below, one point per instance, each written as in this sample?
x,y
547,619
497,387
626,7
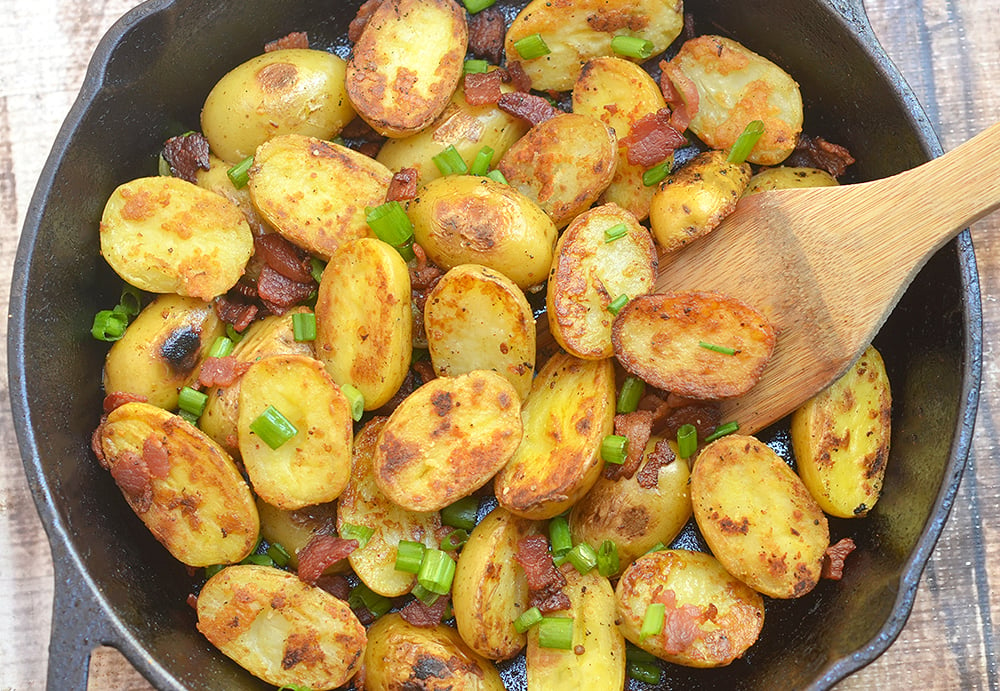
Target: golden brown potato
x,y
673,341
563,164
403,656
693,201
465,219
786,177
314,464
280,629
634,517
315,192
490,589
364,324
596,661
841,438
589,272
182,485
631,94
447,439
757,517
569,411
294,529
362,503
476,318
710,618
292,91
167,235
216,179
735,87
577,30
406,64
162,349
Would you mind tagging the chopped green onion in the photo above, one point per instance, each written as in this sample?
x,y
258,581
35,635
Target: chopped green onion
x,y
632,46
476,66
481,164
644,671
614,232
279,554
474,6
582,557
353,531
496,176
450,162
614,448
239,174
294,687
259,560
437,570
657,173
559,536
725,350
213,569
163,167
723,430
656,548
221,347
355,399
273,428
189,417
746,142
304,326
424,595
616,305
192,401
409,554
527,619
461,514
361,596
455,539
316,267
406,250
109,325
233,335
531,47
653,620
687,440
555,632
608,562
390,223
130,302
631,393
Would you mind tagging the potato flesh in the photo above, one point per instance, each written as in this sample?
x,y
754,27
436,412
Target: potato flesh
x,y
294,529
788,177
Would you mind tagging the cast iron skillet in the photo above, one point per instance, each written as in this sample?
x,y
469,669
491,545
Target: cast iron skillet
x,y
116,585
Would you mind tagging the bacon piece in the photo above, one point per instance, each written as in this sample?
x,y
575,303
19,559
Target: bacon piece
x,y
187,154
425,370
360,21
154,455
671,412
545,581
680,93
652,139
424,275
425,616
403,185
682,625
518,77
284,257
239,314
336,584
132,476
483,89
534,109
279,293
636,427
322,552
487,29
116,399
833,559
408,386
95,443
648,476
816,152
296,39
221,371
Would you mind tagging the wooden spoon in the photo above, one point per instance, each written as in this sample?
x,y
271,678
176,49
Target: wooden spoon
x,y
827,265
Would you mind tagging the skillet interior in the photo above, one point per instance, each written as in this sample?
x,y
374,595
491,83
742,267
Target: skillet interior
x,y
148,82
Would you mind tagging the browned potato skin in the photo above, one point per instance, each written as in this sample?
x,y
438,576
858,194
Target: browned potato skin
x,y
563,164
758,518
200,509
403,656
728,614
324,643
400,78
657,336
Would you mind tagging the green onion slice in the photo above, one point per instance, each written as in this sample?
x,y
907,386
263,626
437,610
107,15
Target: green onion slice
x,y
316,267
631,393
437,570
496,176
355,399
109,325
278,554
481,164
614,232
723,430
239,174
687,440
653,620
614,448
221,347
189,417
233,335
304,326
455,540
130,302
616,305
559,536
390,223
192,401
644,671
746,142
555,632
527,619
409,554
273,428
361,596
531,47
632,46
213,569
476,66
259,560
450,162
725,350
461,514
583,557
353,531
474,6
608,561
657,173
424,595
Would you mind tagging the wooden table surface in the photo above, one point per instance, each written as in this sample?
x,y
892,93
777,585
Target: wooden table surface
x,y
949,51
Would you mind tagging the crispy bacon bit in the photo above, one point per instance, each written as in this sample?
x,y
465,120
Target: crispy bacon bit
x,y
192,601
424,275
296,39
284,257
116,399
187,154
518,77
483,89
360,21
545,581
403,185
279,293
221,371
816,152
408,386
154,454
486,34
648,476
95,443
636,427
534,109
425,616
132,476
336,584
671,412
322,552
239,314
425,370
833,560
652,139
681,94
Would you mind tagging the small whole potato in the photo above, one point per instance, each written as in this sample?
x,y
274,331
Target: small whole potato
x,y
788,177
292,91
294,529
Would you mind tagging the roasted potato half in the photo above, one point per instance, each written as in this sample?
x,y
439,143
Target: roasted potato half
x,y
692,201
477,318
757,517
786,177
315,192
291,91
563,164
841,438
182,485
280,629
162,349
447,439
569,410
167,235
699,345
406,64
577,30
735,87
403,656
294,529
711,618
589,272
362,503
